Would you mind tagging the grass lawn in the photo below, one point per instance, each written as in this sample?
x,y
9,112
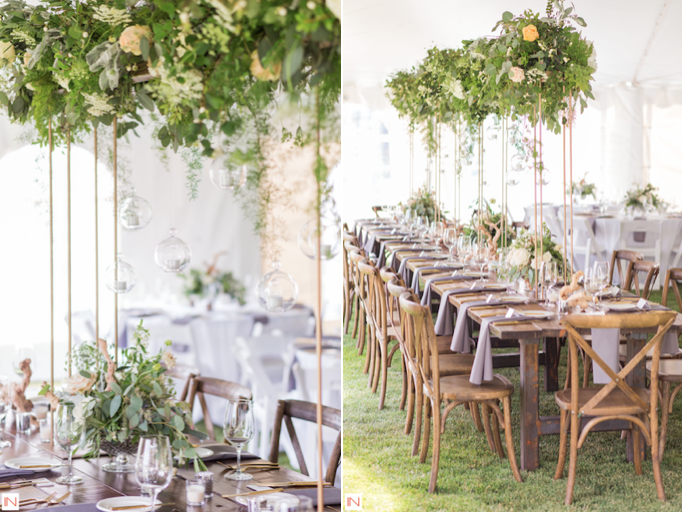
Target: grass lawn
x,y
377,461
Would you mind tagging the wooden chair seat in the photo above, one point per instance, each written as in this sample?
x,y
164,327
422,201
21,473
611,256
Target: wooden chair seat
x,y
458,387
669,370
444,343
616,402
455,364
623,353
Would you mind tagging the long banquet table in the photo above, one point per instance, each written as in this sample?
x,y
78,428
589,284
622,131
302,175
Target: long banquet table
x,y
529,336
99,484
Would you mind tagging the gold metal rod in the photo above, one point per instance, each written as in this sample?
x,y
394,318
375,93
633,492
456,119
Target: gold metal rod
x,y
68,233
96,245
115,169
570,165
318,326
564,194
535,196
542,204
454,179
49,163
502,210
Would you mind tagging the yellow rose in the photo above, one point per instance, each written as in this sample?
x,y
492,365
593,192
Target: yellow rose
x,y
27,57
7,52
130,38
530,33
78,384
271,73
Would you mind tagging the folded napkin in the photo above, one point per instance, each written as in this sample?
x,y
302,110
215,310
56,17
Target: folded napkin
x,y
13,473
460,338
482,368
381,261
415,276
369,244
403,270
225,452
83,507
427,297
446,311
332,495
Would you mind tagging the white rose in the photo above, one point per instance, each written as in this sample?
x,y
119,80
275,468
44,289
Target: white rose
x,y
168,359
335,7
592,59
516,74
547,257
518,257
77,384
641,198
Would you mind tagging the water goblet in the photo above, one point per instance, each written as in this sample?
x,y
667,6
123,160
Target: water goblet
x,y
68,432
154,465
239,426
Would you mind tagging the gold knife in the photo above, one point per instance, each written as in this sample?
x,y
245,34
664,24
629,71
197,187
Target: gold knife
x,y
251,493
311,483
146,505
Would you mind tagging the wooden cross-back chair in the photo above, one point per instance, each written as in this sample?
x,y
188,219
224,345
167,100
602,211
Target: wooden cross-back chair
x,y
183,372
671,277
360,291
615,400
617,257
381,334
642,266
453,390
307,411
349,242
201,386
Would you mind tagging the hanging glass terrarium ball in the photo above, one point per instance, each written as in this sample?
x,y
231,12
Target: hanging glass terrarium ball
x,y
493,132
172,254
545,178
513,179
227,175
120,276
134,212
277,291
518,163
330,241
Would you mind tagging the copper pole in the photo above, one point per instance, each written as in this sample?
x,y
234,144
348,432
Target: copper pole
x,y
68,232
502,209
454,191
115,169
96,246
318,325
570,165
535,195
565,220
542,205
49,163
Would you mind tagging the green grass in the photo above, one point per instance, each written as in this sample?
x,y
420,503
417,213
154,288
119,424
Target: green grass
x,y
377,461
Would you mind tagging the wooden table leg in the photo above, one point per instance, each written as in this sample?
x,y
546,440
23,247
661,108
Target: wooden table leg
x,y
637,377
552,356
530,453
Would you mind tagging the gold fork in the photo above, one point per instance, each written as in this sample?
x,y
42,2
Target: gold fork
x,y
34,501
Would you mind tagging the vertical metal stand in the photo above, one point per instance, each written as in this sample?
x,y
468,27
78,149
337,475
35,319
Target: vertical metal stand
x,y
68,234
115,169
96,245
49,161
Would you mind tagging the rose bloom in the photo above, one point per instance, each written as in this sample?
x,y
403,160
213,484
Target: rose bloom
x,y
271,73
130,38
518,257
530,33
516,74
168,359
7,52
78,384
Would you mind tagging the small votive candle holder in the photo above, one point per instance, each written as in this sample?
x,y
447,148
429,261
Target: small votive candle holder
x,y
45,430
206,477
195,493
22,421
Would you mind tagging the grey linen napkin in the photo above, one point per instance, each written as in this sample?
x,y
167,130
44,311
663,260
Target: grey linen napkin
x,y
446,311
13,473
403,271
225,452
369,244
84,507
332,495
394,260
426,298
460,338
415,276
482,369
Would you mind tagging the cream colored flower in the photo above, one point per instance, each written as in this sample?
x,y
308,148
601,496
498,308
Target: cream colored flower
x,y
131,36
335,7
455,88
547,257
257,69
518,257
77,384
516,74
99,104
168,359
111,15
27,56
592,59
7,53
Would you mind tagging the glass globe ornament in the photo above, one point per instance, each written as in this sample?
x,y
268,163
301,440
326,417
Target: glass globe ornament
x,y
493,132
330,239
545,178
518,164
277,291
227,175
134,213
172,254
513,179
120,276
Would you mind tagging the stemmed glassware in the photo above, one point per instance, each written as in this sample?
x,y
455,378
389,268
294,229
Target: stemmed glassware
x,y
450,241
464,247
549,273
601,271
239,428
68,434
479,256
436,233
154,465
5,404
592,285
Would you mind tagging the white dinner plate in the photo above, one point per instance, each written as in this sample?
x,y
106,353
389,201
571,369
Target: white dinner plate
x,y
621,306
108,504
32,461
202,453
537,314
270,499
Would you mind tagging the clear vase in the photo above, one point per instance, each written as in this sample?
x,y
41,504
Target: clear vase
x,y
120,464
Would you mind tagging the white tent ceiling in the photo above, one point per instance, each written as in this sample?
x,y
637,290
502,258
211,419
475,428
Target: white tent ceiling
x,y
383,36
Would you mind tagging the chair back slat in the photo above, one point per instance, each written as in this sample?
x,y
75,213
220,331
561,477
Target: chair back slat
x,y
671,277
634,269
617,257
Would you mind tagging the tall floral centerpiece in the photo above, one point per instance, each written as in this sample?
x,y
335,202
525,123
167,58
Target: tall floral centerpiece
x,y
116,405
423,204
582,189
639,199
520,259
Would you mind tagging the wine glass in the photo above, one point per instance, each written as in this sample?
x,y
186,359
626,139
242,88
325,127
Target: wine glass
x,y
592,285
549,273
68,434
5,404
450,241
238,430
436,230
479,255
464,247
154,465
601,272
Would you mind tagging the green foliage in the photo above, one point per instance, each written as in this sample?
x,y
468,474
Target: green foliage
x,y
583,189
489,218
520,258
198,282
643,197
423,203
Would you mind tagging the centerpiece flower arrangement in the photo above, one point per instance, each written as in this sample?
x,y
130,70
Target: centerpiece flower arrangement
x,y
116,405
423,203
640,198
583,189
520,258
204,282
490,227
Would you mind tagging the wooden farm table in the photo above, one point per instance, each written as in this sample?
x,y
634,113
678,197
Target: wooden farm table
x,y
100,484
529,335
